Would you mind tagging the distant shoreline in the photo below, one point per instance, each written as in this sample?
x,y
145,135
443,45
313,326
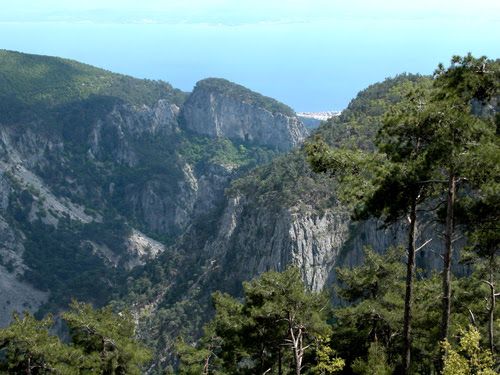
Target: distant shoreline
x,y
323,116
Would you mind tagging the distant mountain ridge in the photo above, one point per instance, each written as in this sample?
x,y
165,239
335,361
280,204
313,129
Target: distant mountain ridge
x,y
53,81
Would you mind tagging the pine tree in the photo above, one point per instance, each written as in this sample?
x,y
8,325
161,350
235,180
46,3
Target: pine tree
x,y
430,142
375,364
374,291
480,217
30,348
202,358
102,343
401,187
106,338
457,139
284,300
276,328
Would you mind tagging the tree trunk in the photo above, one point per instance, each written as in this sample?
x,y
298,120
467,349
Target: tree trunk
x,y
297,344
103,355
410,276
262,358
207,365
279,361
448,251
492,307
28,370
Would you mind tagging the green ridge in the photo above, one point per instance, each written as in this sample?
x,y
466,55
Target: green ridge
x,y
35,79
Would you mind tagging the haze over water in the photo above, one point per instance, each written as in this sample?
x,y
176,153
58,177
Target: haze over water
x,y
309,57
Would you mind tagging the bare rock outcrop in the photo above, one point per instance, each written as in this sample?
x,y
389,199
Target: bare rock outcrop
x,y
217,113
15,294
115,130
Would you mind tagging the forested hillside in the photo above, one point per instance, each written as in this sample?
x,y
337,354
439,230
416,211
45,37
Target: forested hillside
x,y
124,191
277,214
50,81
95,171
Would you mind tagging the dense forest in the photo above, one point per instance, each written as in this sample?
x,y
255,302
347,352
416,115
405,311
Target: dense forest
x,y
412,149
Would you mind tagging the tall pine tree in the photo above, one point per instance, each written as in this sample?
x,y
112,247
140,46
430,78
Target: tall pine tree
x,y
430,141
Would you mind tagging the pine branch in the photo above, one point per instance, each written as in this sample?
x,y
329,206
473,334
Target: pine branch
x,y
420,248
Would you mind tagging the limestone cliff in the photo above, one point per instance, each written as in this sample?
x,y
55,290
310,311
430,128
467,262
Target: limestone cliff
x,y
256,242
218,112
41,183
39,186
171,211
251,241
125,122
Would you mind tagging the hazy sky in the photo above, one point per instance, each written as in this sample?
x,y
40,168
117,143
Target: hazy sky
x,y
311,54
238,11
275,8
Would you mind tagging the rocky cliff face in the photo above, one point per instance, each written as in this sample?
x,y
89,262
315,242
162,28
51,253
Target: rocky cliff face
x,y
19,182
124,123
163,209
163,204
219,115
27,198
172,211
250,243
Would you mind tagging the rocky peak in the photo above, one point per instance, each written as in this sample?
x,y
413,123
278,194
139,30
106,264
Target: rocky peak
x,y
219,108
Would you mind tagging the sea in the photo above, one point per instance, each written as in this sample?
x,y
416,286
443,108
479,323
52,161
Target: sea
x,y
310,66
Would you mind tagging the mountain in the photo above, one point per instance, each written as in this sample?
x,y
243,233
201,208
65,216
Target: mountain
x,y
115,189
98,175
219,108
276,214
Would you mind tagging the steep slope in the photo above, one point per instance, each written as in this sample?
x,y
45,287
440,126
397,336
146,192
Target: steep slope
x,y
113,188
97,176
218,108
59,121
277,214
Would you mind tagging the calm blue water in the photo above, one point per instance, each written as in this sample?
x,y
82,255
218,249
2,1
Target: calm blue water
x,y
309,66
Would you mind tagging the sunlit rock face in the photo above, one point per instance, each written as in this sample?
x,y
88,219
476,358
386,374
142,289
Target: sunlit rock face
x,y
255,242
218,115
